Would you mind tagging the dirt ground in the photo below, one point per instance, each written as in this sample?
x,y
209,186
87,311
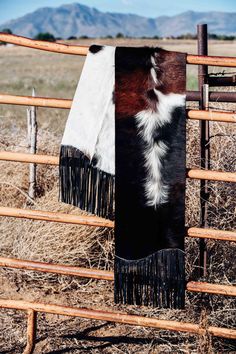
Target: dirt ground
x,y
55,75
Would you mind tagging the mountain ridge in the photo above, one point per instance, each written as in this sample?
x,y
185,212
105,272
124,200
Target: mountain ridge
x,y
79,20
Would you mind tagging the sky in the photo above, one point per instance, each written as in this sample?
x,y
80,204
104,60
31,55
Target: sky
x,y
10,9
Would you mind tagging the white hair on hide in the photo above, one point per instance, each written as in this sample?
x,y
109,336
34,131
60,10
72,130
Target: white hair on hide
x,y
156,191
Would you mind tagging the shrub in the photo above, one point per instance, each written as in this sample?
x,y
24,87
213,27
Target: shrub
x,y
119,35
71,37
5,30
45,36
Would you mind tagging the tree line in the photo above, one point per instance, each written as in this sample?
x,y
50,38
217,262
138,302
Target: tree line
x,y
46,36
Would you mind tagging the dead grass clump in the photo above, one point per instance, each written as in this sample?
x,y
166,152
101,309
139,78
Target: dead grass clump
x,y
55,242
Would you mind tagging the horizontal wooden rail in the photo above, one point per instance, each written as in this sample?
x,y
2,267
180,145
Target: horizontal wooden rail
x,y
63,269
212,175
66,104
83,50
227,117
99,222
56,217
211,60
118,317
221,235
91,273
35,101
217,289
29,158
44,45
54,160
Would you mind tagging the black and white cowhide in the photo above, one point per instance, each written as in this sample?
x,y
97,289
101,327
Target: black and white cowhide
x,y
127,124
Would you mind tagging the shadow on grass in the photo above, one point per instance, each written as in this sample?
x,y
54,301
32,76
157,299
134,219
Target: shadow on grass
x,y
109,340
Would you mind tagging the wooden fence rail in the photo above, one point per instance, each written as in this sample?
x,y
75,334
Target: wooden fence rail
x,y
228,117
118,317
99,274
54,160
65,103
96,221
56,217
83,50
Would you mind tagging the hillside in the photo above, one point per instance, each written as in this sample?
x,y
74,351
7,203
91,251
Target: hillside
x,y
78,20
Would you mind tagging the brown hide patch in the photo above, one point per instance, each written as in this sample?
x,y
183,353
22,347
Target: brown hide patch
x,y
137,93
134,89
172,71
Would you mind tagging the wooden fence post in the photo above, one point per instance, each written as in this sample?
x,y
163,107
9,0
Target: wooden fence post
x,y
31,331
32,129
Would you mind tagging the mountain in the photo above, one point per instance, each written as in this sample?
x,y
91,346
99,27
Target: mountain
x,y
218,23
78,20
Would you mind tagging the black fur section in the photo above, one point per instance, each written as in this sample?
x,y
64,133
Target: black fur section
x,y
157,280
95,48
84,185
145,234
131,58
140,229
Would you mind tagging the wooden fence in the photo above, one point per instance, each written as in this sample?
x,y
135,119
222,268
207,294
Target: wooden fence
x,y
204,116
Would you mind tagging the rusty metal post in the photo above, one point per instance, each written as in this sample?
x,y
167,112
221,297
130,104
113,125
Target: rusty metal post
x,y
204,144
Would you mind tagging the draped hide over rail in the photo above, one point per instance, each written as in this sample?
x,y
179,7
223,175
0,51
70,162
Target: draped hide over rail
x,y
127,120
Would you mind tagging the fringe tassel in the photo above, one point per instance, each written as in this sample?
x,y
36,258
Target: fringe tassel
x,y
84,185
157,280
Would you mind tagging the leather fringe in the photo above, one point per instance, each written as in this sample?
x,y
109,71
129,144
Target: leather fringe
x,y
157,280
84,185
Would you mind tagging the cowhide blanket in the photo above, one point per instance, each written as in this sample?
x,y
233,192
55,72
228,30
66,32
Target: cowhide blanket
x,y
123,156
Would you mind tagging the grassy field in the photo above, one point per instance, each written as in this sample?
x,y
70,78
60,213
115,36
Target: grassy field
x,y
55,75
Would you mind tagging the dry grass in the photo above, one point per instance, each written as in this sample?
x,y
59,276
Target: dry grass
x,y
93,247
